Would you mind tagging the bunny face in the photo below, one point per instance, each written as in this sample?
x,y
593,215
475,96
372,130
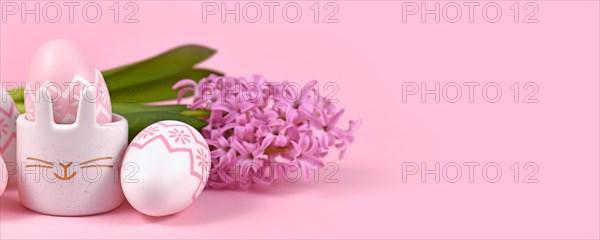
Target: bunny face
x,y
66,171
73,167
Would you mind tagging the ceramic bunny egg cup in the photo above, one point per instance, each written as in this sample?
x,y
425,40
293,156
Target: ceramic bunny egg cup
x,y
70,169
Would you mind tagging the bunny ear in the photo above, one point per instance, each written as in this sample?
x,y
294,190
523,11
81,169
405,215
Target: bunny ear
x,y
86,114
43,107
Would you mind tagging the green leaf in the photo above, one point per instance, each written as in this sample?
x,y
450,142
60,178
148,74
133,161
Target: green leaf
x,y
17,95
159,90
196,113
155,68
125,108
140,120
20,107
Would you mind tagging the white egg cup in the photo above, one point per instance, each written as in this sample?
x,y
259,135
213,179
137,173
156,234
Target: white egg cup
x,y
70,169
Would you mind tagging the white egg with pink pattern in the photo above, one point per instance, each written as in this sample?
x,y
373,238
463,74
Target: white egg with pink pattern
x,y
8,130
165,168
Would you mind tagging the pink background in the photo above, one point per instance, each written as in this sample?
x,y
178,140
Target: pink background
x,y
369,53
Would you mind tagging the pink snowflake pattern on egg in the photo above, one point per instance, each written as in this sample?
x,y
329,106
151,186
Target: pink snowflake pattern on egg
x,y
179,135
203,162
147,132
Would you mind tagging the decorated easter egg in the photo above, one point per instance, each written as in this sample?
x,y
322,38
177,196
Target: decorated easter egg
x,y
65,70
165,168
8,128
3,176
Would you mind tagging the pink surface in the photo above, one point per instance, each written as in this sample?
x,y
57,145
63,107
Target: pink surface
x,y
370,53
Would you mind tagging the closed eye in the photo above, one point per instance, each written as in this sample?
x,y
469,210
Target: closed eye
x,y
98,165
38,161
93,163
